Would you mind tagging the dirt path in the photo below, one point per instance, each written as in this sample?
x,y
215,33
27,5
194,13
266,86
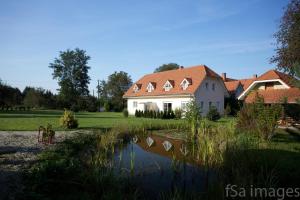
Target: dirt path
x,y
18,150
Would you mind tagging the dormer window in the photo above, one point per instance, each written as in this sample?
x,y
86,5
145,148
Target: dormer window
x,y
137,87
168,85
151,87
185,83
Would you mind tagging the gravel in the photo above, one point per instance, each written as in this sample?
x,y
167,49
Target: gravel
x,y
18,151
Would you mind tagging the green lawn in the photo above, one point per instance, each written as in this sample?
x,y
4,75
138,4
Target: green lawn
x,y
31,120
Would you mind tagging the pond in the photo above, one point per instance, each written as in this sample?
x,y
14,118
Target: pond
x,y
158,164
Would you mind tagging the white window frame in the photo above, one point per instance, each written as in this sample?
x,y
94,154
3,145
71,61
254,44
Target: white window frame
x,y
136,88
184,84
168,86
150,87
135,104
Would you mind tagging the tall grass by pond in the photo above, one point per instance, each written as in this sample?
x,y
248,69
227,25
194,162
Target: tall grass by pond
x,y
83,167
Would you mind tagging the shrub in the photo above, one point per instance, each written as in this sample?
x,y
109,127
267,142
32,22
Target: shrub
x,y
68,120
125,112
171,114
136,114
178,113
213,114
259,119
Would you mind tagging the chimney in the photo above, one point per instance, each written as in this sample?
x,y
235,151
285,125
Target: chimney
x,y
224,76
255,76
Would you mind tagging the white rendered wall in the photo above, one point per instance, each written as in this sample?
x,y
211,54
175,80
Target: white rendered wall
x,y
159,101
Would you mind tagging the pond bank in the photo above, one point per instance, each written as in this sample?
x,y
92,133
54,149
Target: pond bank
x,y
18,151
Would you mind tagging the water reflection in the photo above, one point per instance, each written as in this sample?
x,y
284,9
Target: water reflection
x,y
158,164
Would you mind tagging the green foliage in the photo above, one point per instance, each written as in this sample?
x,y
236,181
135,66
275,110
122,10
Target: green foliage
x,y
9,96
47,133
227,110
68,120
193,116
114,88
166,67
259,119
71,71
106,107
287,55
125,112
178,113
155,114
213,114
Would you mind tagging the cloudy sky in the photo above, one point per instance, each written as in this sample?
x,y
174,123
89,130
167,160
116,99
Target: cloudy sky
x,y
136,36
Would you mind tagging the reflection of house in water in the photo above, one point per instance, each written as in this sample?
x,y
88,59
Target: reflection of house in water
x,y
158,147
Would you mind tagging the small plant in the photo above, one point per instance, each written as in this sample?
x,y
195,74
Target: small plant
x,y
193,116
68,120
213,114
125,112
178,113
46,135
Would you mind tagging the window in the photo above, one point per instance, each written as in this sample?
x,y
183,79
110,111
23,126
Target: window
x,y
201,104
213,87
184,106
210,104
218,105
150,87
135,104
206,86
167,107
168,86
185,84
136,88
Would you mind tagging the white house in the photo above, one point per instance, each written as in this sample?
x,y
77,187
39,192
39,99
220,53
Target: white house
x,y
168,90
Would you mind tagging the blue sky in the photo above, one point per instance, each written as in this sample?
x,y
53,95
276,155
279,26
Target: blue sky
x,y
136,36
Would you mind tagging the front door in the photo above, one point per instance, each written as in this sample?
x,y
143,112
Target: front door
x,y
167,107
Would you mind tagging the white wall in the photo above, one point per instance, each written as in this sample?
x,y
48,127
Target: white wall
x,y
209,95
202,94
176,102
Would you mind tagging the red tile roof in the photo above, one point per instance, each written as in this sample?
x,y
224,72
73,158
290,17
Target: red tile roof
x,y
275,95
196,74
232,86
273,74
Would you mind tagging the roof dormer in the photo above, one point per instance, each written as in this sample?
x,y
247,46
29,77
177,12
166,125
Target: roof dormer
x,y
185,83
168,85
151,86
137,87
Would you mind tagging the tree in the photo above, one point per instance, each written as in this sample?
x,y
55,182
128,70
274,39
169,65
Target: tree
x,y
113,90
9,96
71,71
166,67
287,55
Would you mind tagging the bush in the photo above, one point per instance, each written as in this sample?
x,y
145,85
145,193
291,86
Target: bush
x,y
178,113
259,119
193,116
125,113
68,120
213,114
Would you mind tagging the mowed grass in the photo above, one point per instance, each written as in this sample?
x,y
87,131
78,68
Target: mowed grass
x,y
31,120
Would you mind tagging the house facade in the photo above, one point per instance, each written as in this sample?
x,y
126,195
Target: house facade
x,y
174,89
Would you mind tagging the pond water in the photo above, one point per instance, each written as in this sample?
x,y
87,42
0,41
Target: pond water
x,y
158,164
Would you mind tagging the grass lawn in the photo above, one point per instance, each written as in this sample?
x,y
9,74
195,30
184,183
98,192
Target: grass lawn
x,y
31,120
